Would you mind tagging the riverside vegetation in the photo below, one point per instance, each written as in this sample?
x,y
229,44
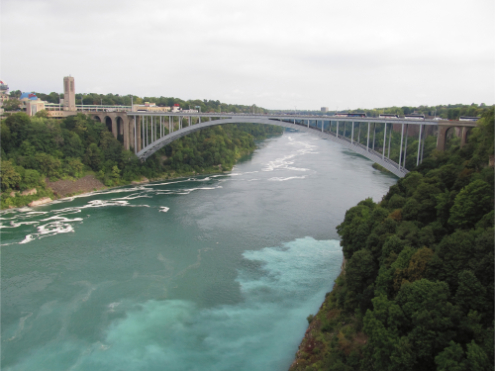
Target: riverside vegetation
x,y
416,289
37,148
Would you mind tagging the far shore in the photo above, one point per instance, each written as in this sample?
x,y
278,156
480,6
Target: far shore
x,y
66,188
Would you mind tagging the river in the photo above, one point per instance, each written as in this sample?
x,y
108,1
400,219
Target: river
x,y
212,272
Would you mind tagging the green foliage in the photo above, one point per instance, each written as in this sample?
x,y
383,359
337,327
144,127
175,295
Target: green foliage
x,y
424,276
473,202
36,148
10,177
451,358
12,105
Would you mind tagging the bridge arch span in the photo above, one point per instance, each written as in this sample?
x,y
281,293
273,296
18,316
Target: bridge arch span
x,y
355,147
109,123
446,130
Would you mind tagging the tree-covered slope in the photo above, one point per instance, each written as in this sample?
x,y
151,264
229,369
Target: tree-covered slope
x,y
37,148
416,291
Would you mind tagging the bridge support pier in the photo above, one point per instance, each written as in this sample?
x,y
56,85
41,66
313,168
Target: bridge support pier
x,y
419,144
125,132
400,151
374,131
390,138
368,139
138,132
405,147
464,132
384,139
114,127
442,137
423,147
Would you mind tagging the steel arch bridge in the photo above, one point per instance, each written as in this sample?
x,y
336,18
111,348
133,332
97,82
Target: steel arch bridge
x,y
148,132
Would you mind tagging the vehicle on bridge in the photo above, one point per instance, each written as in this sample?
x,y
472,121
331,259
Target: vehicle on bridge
x,y
388,116
414,116
468,118
350,114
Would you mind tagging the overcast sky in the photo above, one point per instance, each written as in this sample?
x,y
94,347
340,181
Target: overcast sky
x,y
275,54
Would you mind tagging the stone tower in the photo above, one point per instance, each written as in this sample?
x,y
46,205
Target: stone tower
x,y
69,94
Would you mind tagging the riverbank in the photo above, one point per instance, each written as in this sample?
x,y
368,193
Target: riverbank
x,y
331,332
63,188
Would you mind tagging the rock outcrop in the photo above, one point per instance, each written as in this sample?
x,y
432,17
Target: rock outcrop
x,y
41,201
29,192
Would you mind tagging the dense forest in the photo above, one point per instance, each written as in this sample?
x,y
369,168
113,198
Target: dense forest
x,y
37,148
416,290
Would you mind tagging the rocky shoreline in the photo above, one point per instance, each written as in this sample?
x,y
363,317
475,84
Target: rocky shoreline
x,y
63,188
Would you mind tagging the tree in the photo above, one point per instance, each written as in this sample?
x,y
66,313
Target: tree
x,y
354,229
30,179
18,125
472,202
93,157
12,105
451,358
10,177
42,113
48,164
15,93
470,293
115,173
429,318
477,358
360,273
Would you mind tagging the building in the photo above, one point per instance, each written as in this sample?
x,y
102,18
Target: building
x,y
176,107
31,103
324,109
149,107
69,103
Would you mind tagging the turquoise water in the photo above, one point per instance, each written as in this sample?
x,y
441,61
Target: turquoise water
x,y
208,273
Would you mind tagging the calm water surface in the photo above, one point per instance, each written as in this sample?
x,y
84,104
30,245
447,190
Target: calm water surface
x,y
208,273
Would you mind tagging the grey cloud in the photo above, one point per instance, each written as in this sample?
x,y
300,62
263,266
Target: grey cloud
x,y
276,55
